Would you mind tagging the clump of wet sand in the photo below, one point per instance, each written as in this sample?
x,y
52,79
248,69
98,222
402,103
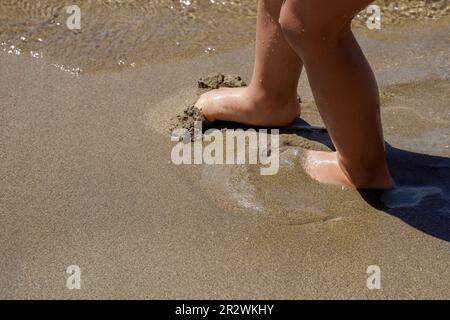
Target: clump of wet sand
x,y
220,80
186,120
192,114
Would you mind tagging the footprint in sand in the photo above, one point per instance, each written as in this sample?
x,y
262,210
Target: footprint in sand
x,y
290,196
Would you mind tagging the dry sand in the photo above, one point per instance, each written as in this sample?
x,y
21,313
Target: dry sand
x,y
86,179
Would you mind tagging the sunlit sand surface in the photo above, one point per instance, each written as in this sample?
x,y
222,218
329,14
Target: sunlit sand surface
x,y
86,176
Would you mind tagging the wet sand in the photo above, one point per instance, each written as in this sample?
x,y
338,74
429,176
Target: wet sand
x,y
86,179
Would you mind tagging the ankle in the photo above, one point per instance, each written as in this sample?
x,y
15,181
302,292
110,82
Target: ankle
x,y
369,176
271,99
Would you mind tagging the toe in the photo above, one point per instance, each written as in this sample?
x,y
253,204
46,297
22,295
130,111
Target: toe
x,y
204,105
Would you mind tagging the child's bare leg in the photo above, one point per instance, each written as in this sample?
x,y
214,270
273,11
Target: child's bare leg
x,y
271,98
344,88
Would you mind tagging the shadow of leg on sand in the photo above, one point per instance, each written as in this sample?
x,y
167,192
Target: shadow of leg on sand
x,y
421,197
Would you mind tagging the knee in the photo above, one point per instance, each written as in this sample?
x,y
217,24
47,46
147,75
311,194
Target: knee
x,y
310,36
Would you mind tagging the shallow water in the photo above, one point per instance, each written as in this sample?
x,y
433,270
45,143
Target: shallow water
x,y
117,34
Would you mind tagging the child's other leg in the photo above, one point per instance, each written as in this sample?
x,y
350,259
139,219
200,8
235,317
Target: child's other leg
x,y
271,98
344,88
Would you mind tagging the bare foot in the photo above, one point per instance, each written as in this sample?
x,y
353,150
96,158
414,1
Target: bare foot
x,y
324,167
247,106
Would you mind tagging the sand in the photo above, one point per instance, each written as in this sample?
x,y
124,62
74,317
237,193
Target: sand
x,y
86,179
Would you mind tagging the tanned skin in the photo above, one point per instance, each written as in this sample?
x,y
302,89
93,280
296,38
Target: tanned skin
x,y
316,35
